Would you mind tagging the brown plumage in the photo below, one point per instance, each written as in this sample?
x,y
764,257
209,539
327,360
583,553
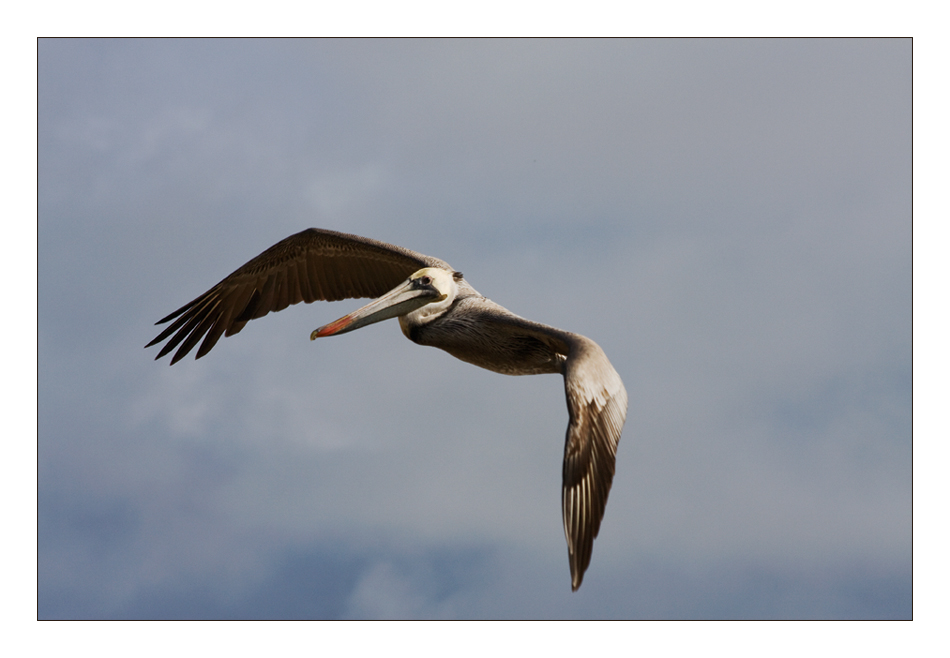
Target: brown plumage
x,y
436,307
315,264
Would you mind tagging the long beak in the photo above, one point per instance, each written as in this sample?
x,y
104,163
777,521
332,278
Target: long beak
x,y
399,301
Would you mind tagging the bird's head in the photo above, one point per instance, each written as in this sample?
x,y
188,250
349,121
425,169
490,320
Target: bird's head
x,y
425,295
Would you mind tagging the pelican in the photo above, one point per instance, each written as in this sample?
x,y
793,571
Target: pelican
x,y
436,306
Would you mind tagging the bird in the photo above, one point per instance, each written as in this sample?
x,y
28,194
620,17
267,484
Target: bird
x,y
436,307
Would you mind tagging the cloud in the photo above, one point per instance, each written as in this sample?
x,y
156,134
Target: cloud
x,y
729,220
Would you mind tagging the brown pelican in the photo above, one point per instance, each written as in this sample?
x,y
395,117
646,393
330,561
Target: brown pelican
x,y
437,307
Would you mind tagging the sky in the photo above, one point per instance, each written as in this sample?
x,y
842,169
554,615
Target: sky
x,y
729,219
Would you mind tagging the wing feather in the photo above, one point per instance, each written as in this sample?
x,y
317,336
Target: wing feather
x,y
597,407
315,264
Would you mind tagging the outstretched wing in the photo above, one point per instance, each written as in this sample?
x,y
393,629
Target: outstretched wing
x,y
597,405
315,264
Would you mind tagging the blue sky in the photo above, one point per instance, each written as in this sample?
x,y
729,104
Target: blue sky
x,y
729,220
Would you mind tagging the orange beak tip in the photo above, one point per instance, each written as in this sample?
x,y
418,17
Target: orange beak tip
x,y
330,329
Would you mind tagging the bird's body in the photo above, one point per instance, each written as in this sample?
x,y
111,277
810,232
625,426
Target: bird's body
x,y
435,307
485,334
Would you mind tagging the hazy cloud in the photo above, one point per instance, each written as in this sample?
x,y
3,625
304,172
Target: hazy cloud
x,y
729,220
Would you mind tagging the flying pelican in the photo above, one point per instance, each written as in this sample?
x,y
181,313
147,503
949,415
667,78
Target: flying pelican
x,y
436,306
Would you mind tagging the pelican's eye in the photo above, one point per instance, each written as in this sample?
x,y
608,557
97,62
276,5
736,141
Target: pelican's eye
x,y
425,280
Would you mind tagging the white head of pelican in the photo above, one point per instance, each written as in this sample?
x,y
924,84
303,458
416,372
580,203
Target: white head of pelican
x,y
424,296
